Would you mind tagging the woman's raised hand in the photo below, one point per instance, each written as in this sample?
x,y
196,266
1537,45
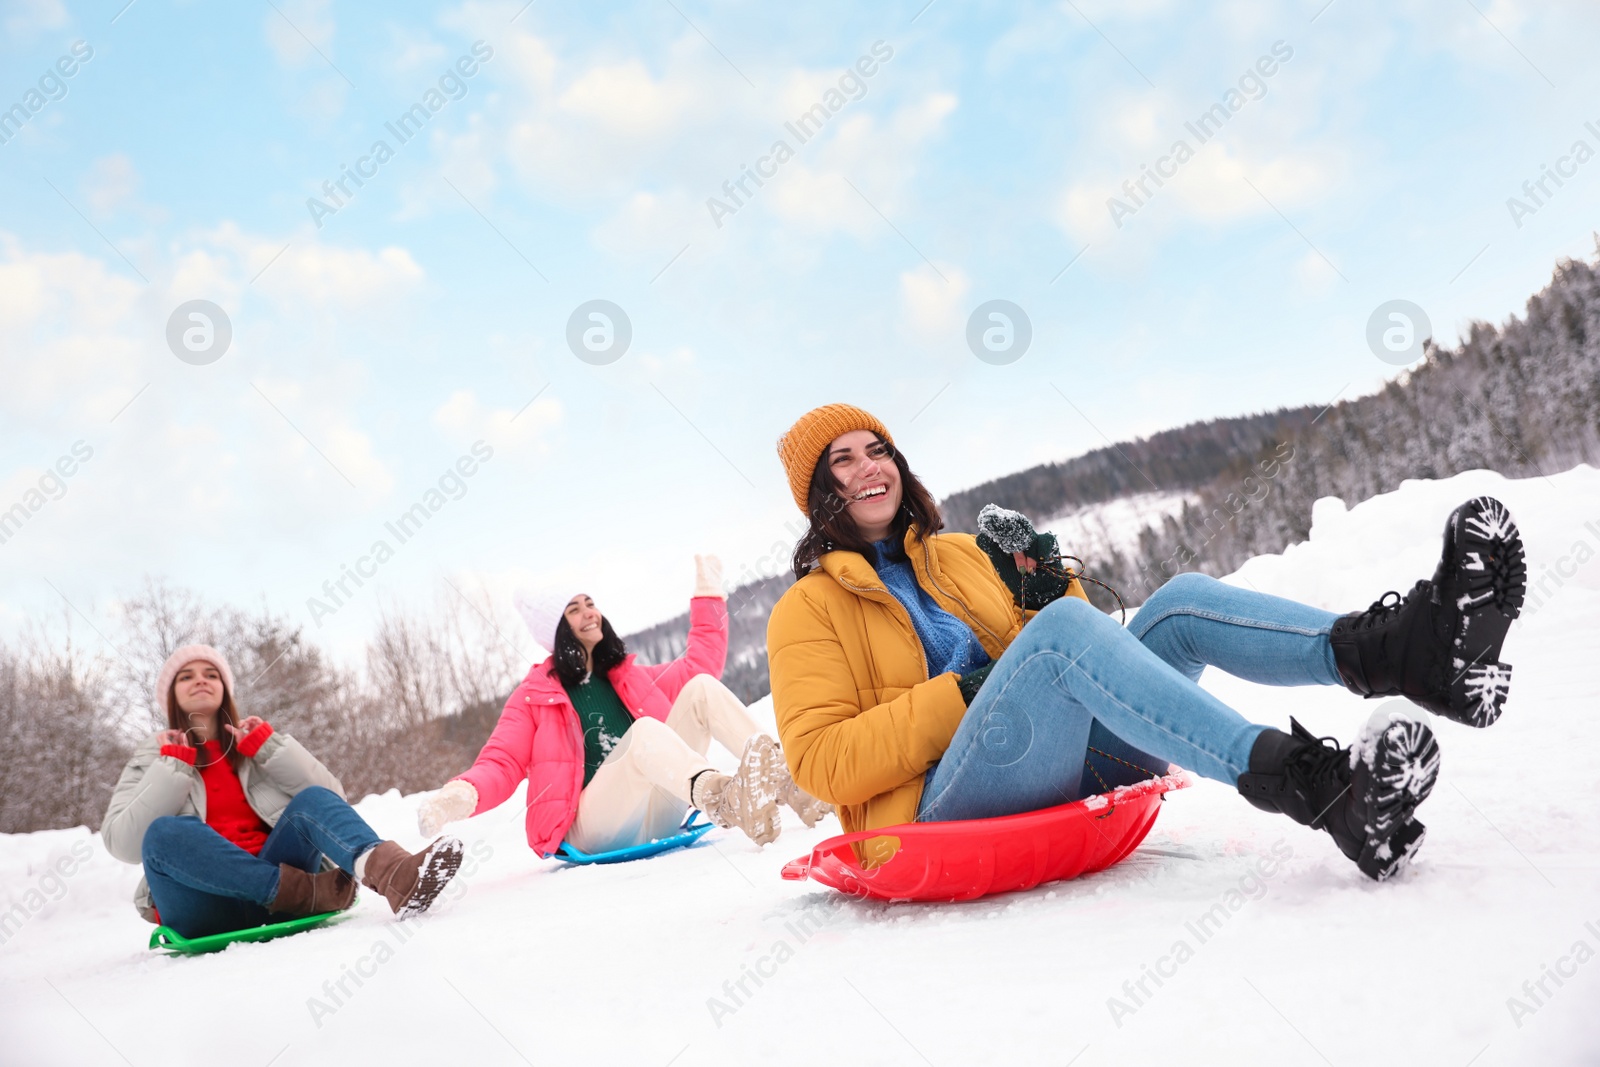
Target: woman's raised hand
x,y
708,577
174,737
244,729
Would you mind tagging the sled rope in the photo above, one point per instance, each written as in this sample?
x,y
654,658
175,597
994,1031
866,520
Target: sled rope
x,y
1051,569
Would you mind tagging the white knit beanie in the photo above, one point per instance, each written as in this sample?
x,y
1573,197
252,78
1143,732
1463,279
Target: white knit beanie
x,y
176,662
542,609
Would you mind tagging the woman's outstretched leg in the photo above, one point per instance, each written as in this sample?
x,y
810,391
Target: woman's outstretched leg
x,y
1439,645
1195,621
1023,742
707,709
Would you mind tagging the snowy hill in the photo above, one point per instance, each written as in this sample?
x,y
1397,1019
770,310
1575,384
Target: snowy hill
x,y
1483,953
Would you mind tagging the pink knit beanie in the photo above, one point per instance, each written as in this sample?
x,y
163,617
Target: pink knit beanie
x,y
176,662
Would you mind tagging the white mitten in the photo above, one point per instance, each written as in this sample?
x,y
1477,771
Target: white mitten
x,y
456,800
708,577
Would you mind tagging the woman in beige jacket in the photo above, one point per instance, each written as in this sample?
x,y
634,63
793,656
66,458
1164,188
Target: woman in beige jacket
x,y
237,825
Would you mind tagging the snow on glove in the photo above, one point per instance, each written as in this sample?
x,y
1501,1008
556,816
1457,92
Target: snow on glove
x,y
708,577
456,800
1001,533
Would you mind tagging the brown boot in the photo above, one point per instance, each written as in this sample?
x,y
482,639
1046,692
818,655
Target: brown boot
x,y
301,893
411,880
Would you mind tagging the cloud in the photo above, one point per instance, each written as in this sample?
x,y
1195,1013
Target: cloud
x,y
26,19
932,307
111,183
622,99
525,429
297,29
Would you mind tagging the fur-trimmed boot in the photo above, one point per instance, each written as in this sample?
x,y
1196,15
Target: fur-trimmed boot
x,y
1365,799
1440,645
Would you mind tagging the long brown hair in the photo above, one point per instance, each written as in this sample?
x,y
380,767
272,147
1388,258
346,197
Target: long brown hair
x,y
832,526
228,713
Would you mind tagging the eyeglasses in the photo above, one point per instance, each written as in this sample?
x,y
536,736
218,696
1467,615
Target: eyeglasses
x,y
877,452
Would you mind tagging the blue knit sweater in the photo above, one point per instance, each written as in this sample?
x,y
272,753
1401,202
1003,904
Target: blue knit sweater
x,y
949,643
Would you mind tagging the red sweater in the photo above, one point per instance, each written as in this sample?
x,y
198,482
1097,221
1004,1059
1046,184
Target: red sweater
x,y
227,810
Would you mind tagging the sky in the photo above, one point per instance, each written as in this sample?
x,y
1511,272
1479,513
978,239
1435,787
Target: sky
x,y
398,220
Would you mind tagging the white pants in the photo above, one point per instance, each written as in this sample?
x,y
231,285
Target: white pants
x,y
641,792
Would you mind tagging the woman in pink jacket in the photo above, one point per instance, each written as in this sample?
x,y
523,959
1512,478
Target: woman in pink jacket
x,y
614,751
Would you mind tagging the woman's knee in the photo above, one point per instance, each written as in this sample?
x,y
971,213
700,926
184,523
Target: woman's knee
x,y
1066,624
645,735
1183,587
1179,592
702,686
167,829
311,796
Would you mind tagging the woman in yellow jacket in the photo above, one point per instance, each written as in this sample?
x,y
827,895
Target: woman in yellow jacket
x,y
907,687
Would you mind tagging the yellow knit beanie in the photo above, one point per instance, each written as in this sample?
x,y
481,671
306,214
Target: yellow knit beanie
x,y
809,437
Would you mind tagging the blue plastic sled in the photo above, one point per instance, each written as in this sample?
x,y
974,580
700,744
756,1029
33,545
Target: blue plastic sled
x,y
693,829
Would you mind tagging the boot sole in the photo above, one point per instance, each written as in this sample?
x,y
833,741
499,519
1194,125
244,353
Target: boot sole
x,y
760,765
1484,547
438,867
1398,776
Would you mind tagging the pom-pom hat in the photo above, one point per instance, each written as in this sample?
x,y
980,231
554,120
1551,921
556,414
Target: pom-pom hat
x,y
809,437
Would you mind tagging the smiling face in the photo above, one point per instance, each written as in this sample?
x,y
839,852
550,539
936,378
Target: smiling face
x,y
198,689
864,468
584,618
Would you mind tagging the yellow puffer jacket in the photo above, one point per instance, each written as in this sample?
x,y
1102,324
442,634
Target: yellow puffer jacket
x,y
859,718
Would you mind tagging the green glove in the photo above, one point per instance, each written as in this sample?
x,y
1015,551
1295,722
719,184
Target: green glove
x,y
1002,532
972,681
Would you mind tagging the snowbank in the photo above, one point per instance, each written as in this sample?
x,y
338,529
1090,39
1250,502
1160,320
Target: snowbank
x,y
1231,936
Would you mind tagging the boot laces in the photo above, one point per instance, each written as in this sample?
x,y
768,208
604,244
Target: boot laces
x,y
1322,768
1383,609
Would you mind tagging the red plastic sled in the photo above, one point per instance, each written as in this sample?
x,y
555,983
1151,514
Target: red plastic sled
x,y
945,861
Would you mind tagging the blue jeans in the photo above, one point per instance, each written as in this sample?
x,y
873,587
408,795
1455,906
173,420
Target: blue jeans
x,y
205,884
1078,705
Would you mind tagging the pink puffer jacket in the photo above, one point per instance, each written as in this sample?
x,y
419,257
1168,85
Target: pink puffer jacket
x,y
539,737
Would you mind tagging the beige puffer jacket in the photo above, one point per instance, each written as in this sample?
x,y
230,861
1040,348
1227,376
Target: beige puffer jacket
x,y
153,785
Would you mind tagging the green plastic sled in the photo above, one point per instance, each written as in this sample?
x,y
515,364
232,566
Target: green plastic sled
x,y
169,940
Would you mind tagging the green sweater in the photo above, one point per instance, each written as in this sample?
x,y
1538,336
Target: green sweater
x,y
602,715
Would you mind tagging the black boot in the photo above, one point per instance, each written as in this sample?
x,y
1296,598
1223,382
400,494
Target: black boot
x,y
1367,803
1440,646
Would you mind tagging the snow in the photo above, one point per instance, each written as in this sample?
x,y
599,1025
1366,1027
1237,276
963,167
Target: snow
x,y
1113,525
1231,936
